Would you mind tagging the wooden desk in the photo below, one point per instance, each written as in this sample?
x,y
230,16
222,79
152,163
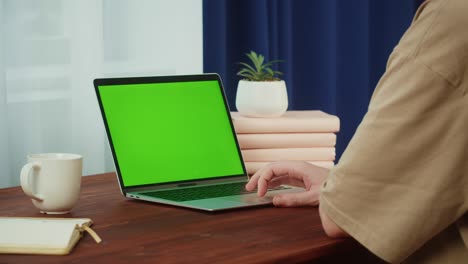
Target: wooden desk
x,y
141,232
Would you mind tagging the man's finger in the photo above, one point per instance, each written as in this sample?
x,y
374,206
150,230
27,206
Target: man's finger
x,y
308,198
285,180
263,180
252,184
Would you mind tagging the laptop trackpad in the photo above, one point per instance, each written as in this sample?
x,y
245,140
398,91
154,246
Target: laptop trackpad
x,y
229,202
215,204
250,199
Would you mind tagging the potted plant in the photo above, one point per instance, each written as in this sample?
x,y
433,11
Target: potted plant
x,y
261,92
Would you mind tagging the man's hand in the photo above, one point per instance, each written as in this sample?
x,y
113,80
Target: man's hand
x,y
300,174
295,173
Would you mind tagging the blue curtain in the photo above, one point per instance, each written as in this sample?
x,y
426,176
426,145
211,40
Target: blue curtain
x,y
334,51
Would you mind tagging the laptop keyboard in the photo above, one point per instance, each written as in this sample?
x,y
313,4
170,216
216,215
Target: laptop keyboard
x,y
204,192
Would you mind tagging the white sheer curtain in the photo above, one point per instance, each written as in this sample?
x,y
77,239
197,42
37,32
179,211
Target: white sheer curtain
x,y
51,50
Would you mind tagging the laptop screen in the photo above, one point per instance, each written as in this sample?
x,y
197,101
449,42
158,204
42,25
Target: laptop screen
x,y
169,129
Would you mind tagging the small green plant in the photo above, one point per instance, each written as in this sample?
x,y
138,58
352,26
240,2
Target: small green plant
x,y
260,70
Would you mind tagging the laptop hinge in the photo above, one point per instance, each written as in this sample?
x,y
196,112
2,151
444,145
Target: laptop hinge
x,y
186,184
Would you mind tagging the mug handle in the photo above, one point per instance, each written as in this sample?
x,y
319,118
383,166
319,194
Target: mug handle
x,y
25,178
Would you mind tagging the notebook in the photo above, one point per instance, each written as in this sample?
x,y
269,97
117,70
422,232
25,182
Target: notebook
x,y
173,142
38,235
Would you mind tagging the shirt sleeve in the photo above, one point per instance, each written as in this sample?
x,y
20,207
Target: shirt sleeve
x,y
403,177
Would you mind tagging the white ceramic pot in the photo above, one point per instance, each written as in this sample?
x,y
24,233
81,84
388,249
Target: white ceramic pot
x,y
261,99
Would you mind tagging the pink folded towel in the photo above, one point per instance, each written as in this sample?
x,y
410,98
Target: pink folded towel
x,y
316,154
292,121
286,140
253,166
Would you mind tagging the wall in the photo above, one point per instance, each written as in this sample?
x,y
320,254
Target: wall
x,y
53,50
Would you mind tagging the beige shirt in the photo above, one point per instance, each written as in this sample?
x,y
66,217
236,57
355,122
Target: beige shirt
x,y
401,186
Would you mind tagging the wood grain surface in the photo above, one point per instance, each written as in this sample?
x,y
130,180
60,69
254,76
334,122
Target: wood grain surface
x,y
143,232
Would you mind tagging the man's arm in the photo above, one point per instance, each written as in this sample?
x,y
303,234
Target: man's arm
x,y
331,229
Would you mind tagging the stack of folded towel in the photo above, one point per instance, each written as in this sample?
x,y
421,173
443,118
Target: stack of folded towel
x,y
296,135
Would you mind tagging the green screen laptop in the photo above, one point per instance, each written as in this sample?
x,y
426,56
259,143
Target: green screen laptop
x,y
173,141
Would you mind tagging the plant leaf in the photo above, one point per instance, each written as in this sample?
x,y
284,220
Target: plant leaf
x,y
260,70
247,66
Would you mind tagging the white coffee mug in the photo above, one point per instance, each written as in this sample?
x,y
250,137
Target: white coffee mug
x,y
53,181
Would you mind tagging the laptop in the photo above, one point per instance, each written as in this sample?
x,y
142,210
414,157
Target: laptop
x,y
173,142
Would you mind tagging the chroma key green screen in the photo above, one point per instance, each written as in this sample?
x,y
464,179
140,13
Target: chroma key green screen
x,y
165,132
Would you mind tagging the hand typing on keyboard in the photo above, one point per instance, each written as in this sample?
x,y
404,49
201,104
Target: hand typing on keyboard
x,y
296,173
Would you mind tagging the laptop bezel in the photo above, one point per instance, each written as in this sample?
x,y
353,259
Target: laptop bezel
x,y
166,79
